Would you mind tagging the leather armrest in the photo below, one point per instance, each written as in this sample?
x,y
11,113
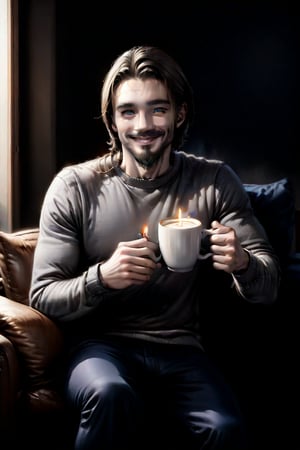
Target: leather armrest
x,y
9,383
37,339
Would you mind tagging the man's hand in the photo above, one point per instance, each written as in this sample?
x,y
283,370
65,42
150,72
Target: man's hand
x,y
133,262
228,254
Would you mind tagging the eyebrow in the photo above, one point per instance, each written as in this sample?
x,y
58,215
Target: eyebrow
x,y
157,101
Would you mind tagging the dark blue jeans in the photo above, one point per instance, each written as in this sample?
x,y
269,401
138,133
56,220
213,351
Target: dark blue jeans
x,y
124,389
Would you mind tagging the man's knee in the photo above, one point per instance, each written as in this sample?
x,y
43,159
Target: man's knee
x,y
218,430
110,393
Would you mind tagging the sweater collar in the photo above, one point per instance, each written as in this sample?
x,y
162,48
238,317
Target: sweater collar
x,y
154,183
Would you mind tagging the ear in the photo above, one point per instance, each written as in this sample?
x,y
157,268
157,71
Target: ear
x,y
181,115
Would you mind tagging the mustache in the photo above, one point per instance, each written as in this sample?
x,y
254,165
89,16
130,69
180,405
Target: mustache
x,y
146,134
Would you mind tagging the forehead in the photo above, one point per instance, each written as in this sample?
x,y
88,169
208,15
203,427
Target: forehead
x,y
140,91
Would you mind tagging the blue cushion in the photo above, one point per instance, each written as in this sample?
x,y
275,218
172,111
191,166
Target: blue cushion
x,y
274,206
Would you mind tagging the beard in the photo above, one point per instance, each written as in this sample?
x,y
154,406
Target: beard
x,y
147,159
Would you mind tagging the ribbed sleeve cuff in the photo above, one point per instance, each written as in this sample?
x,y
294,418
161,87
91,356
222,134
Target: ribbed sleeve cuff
x,y
94,286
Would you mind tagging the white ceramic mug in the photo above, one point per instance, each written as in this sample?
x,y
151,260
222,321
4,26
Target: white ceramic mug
x,y
180,242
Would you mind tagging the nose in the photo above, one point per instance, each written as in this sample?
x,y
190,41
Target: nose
x,y
143,121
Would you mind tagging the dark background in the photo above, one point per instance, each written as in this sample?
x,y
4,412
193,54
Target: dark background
x,y
241,59
242,62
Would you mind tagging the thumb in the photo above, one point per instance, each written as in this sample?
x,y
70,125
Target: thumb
x,y
215,224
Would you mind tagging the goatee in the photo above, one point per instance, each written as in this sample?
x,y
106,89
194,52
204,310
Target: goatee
x,y
148,162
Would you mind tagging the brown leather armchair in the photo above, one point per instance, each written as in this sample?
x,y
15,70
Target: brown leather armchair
x,y
30,348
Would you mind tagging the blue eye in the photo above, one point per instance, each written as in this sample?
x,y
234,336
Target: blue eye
x,y
128,112
159,109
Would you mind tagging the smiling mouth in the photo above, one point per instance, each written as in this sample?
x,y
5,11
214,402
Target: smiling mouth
x,y
144,140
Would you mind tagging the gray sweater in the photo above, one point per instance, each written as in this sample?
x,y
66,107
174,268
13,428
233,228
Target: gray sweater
x,y
86,213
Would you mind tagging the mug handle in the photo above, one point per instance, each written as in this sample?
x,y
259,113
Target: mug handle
x,y
202,256
158,258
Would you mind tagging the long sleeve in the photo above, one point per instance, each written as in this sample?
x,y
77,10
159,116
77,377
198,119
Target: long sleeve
x,y
86,213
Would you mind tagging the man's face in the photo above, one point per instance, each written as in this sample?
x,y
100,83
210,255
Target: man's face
x,y
144,120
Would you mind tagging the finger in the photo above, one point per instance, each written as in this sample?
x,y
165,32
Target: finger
x,y
143,264
220,229
223,262
140,242
218,240
134,259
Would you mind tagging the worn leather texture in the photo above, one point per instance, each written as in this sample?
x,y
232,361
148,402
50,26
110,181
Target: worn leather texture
x,y
16,257
37,338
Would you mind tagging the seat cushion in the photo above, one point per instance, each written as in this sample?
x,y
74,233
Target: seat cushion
x,y
274,206
16,258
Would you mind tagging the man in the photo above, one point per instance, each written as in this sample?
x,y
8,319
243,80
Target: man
x,y
131,322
